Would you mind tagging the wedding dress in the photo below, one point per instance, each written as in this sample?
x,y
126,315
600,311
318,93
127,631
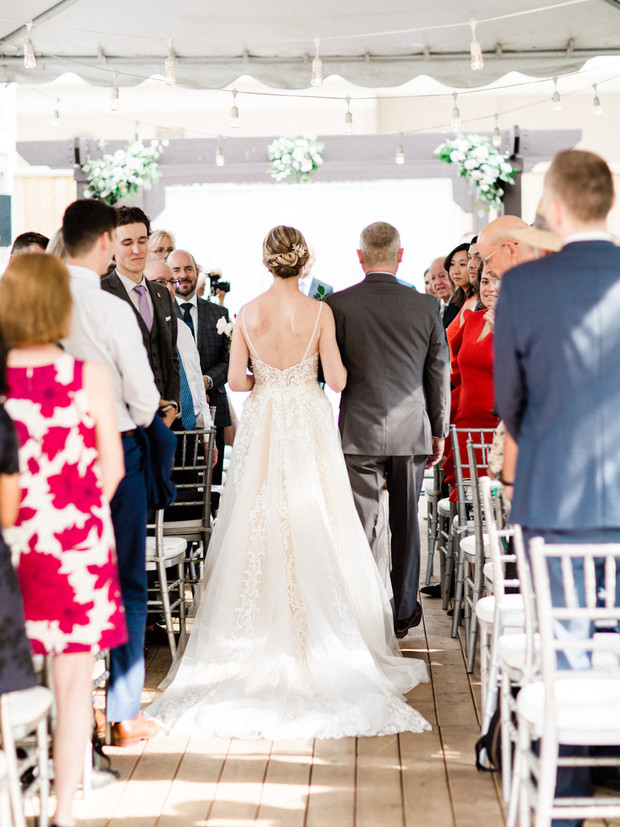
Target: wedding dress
x,y
293,637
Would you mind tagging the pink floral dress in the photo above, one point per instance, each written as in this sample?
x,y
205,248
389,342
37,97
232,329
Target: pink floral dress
x,y
63,541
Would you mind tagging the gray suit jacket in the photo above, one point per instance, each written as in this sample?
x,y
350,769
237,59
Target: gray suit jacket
x,y
557,386
394,347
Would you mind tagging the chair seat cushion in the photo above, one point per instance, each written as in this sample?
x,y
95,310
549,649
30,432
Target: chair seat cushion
x,y
511,650
443,507
488,572
587,710
173,547
27,707
511,609
468,546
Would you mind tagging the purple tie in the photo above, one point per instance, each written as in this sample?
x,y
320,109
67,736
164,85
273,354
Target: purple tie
x,y
143,306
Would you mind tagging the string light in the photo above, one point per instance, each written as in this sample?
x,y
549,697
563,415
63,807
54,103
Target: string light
x,y
455,123
317,66
348,117
219,154
556,100
234,112
475,50
400,152
114,96
30,60
497,135
56,115
169,77
596,102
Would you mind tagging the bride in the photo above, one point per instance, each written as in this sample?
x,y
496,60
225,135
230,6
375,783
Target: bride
x,y
293,637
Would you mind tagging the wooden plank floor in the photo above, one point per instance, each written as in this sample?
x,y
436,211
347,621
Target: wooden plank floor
x,y
405,780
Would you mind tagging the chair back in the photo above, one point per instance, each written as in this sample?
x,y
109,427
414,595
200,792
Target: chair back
x,y
576,592
189,516
482,440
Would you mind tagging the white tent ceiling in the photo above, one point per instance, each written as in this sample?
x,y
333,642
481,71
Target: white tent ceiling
x,y
368,43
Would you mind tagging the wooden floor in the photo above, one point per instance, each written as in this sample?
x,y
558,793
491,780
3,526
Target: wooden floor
x,y
406,780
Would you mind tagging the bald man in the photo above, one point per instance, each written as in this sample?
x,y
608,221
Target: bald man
x,y
500,249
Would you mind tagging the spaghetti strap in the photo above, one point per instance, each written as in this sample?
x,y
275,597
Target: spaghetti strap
x,y
245,332
316,324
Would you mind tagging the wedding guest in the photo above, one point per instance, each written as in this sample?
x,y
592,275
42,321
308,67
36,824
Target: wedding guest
x,y
311,286
105,330
443,288
428,286
56,246
71,462
220,291
474,266
30,242
464,298
161,244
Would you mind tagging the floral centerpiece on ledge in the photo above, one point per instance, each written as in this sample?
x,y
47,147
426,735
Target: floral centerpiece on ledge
x,y
124,173
479,162
294,159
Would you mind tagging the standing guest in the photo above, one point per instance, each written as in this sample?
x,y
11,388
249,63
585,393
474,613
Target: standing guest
x,y
428,285
201,317
71,461
220,291
161,244
464,298
105,330
557,376
474,265
16,670
56,246
311,286
30,242
394,408
443,288
152,305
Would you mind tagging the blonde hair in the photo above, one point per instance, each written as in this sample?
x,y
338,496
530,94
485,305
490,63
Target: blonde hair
x,y
285,252
35,300
158,237
56,246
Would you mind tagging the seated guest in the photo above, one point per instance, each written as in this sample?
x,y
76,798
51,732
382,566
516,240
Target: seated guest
x,y
29,243
71,461
161,244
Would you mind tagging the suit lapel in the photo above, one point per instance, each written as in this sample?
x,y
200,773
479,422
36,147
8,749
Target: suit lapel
x,y
117,287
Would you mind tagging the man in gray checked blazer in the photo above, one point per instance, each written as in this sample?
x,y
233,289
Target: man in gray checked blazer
x,y
394,410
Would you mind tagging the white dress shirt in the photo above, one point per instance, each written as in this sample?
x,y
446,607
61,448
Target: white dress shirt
x,y
105,330
129,285
589,235
191,364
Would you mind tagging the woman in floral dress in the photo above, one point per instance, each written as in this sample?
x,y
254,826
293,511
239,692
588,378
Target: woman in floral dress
x,y
70,462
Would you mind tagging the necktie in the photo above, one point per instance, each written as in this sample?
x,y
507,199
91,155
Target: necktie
x,y
188,417
187,317
143,306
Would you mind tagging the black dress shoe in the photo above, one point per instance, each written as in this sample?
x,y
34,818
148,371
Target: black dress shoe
x,y
431,591
415,619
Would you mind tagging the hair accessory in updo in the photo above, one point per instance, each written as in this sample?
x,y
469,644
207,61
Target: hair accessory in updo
x,y
285,252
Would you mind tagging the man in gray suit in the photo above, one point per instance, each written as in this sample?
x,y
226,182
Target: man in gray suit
x,y
394,411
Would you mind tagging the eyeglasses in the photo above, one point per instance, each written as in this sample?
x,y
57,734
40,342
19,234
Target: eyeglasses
x,y
166,282
490,256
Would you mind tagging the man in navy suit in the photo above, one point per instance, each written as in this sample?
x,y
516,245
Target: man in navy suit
x,y
557,374
202,317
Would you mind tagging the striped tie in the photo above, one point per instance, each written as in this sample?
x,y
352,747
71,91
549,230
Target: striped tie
x,y
188,417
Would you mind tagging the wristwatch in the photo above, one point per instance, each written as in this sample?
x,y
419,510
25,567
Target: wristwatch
x,y
209,382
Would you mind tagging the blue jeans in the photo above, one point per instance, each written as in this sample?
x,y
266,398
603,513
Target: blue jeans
x,y
128,508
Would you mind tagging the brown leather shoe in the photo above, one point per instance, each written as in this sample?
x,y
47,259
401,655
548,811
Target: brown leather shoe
x,y
131,732
100,722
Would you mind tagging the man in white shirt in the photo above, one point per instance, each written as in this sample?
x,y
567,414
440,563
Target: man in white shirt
x,y
104,329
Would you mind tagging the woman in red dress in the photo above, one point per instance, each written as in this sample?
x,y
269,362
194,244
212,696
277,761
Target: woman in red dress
x,y
472,373
70,462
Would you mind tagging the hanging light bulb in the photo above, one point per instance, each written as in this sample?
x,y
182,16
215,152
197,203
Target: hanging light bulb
x,y
400,152
497,135
455,123
556,101
56,115
30,60
348,117
597,109
169,77
219,154
114,96
477,61
317,66
234,112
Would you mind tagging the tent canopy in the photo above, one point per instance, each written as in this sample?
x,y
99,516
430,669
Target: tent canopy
x,y
367,43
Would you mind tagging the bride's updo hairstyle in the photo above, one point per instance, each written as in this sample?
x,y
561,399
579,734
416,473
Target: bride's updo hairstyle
x,y
285,252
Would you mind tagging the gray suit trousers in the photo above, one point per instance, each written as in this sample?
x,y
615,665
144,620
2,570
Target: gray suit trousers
x,y
403,476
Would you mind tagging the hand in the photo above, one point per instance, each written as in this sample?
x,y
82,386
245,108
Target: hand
x,y
170,416
438,446
215,456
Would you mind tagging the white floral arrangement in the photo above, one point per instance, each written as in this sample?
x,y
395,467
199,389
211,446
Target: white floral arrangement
x,y
224,328
294,159
479,162
121,174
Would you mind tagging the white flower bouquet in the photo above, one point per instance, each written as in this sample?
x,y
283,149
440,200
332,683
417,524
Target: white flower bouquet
x,y
224,328
477,160
294,159
123,173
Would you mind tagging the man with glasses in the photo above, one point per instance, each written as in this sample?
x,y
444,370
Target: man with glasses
x,y
201,317
499,248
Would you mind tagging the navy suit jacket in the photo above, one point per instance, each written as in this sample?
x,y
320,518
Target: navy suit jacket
x,y
557,386
214,356
166,338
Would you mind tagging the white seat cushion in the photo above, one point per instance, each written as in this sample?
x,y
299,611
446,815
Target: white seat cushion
x,y
511,650
27,707
468,546
443,507
488,572
587,710
512,611
173,547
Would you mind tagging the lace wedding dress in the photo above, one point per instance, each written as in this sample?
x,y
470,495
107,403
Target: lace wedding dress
x,y
293,637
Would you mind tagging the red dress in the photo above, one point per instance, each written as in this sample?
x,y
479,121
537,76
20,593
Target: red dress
x,y
63,541
472,377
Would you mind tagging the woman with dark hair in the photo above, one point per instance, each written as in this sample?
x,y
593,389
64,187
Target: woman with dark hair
x,y
464,298
294,634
